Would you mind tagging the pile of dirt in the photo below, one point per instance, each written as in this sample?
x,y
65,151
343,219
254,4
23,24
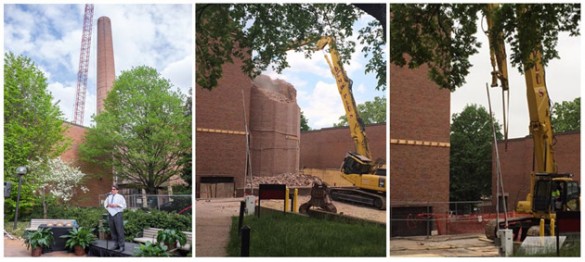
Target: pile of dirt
x,y
289,179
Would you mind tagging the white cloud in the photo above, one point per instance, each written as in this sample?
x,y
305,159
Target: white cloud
x,y
180,73
299,64
62,94
322,107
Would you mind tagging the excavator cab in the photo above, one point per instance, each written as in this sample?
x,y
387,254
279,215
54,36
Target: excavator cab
x,y
555,192
356,164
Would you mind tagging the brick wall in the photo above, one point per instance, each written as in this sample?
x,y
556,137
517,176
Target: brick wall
x,y
326,148
222,114
223,108
419,112
516,163
275,129
98,179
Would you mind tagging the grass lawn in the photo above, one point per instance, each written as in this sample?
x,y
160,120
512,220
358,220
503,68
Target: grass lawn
x,y
275,234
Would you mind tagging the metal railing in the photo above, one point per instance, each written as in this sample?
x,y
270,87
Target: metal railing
x,y
160,202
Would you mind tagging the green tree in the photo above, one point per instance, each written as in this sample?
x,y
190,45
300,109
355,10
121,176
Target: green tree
x,y
187,161
566,116
261,34
33,124
304,123
144,131
371,112
471,154
443,35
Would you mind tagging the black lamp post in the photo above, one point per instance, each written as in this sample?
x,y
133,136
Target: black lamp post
x,y
20,171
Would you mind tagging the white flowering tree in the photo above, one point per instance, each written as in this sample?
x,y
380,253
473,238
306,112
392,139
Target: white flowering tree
x,y
58,178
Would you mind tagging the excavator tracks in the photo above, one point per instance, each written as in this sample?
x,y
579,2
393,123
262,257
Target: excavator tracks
x,y
358,196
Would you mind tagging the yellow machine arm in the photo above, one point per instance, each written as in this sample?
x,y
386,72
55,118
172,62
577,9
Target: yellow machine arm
x,y
537,95
344,86
544,179
357,168
538,103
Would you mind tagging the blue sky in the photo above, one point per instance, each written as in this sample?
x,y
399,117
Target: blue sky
x,y
159,36
317,93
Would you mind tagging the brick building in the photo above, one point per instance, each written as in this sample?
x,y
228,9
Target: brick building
x,y
516,163
326,148
98,179
419,151
267,109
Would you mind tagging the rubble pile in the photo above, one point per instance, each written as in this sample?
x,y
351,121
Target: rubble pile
x,y
289,179
275,89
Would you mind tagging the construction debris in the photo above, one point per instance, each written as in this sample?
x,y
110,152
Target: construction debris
x,y
275,89
289,179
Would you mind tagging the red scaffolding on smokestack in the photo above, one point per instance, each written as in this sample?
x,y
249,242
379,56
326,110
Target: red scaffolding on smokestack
x,y
83,66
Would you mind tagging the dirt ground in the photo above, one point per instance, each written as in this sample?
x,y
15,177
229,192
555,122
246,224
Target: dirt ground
x,y
213,220
473,245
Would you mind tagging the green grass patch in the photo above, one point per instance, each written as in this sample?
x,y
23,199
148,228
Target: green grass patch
x,y
275,234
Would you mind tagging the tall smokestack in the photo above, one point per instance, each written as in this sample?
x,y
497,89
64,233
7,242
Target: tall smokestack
x,y
105,61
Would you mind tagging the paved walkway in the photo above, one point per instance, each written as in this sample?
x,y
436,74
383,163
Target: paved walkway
x,y
471,245
16,248
213,222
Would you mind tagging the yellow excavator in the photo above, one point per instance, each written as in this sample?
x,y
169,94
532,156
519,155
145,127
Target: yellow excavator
x,y
550,192
367,176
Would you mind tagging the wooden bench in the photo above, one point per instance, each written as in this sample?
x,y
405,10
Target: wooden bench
x,y
149,234
187,245
35,223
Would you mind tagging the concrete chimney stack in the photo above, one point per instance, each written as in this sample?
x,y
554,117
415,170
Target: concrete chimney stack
x,y
105,61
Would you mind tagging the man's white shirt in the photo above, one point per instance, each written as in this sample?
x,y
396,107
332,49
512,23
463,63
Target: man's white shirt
x,y
115,199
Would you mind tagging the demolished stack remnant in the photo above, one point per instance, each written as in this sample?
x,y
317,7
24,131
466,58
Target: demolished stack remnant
x,y
274,127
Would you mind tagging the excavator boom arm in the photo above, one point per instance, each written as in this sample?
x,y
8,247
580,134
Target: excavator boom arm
x,y
344,86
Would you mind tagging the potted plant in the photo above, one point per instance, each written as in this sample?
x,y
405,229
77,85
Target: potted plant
x,y
37,240
151,250
79,239
170,237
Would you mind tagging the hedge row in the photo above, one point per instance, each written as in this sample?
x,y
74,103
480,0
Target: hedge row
x,y
134,220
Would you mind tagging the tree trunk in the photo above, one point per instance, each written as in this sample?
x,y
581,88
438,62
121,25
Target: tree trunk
x,y
44,204
378,11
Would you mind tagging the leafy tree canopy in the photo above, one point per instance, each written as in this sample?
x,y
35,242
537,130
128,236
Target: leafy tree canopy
x,y
443,35
371,112
261,34
566,116
471,153
304,123
144,131
33,125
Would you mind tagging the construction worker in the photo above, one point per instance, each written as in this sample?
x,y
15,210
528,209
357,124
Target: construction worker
x,y
555,197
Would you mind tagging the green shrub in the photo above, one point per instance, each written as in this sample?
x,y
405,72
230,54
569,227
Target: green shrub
x,y
42,237
170,237
151,250
137,220
85,216
134,220
79,237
